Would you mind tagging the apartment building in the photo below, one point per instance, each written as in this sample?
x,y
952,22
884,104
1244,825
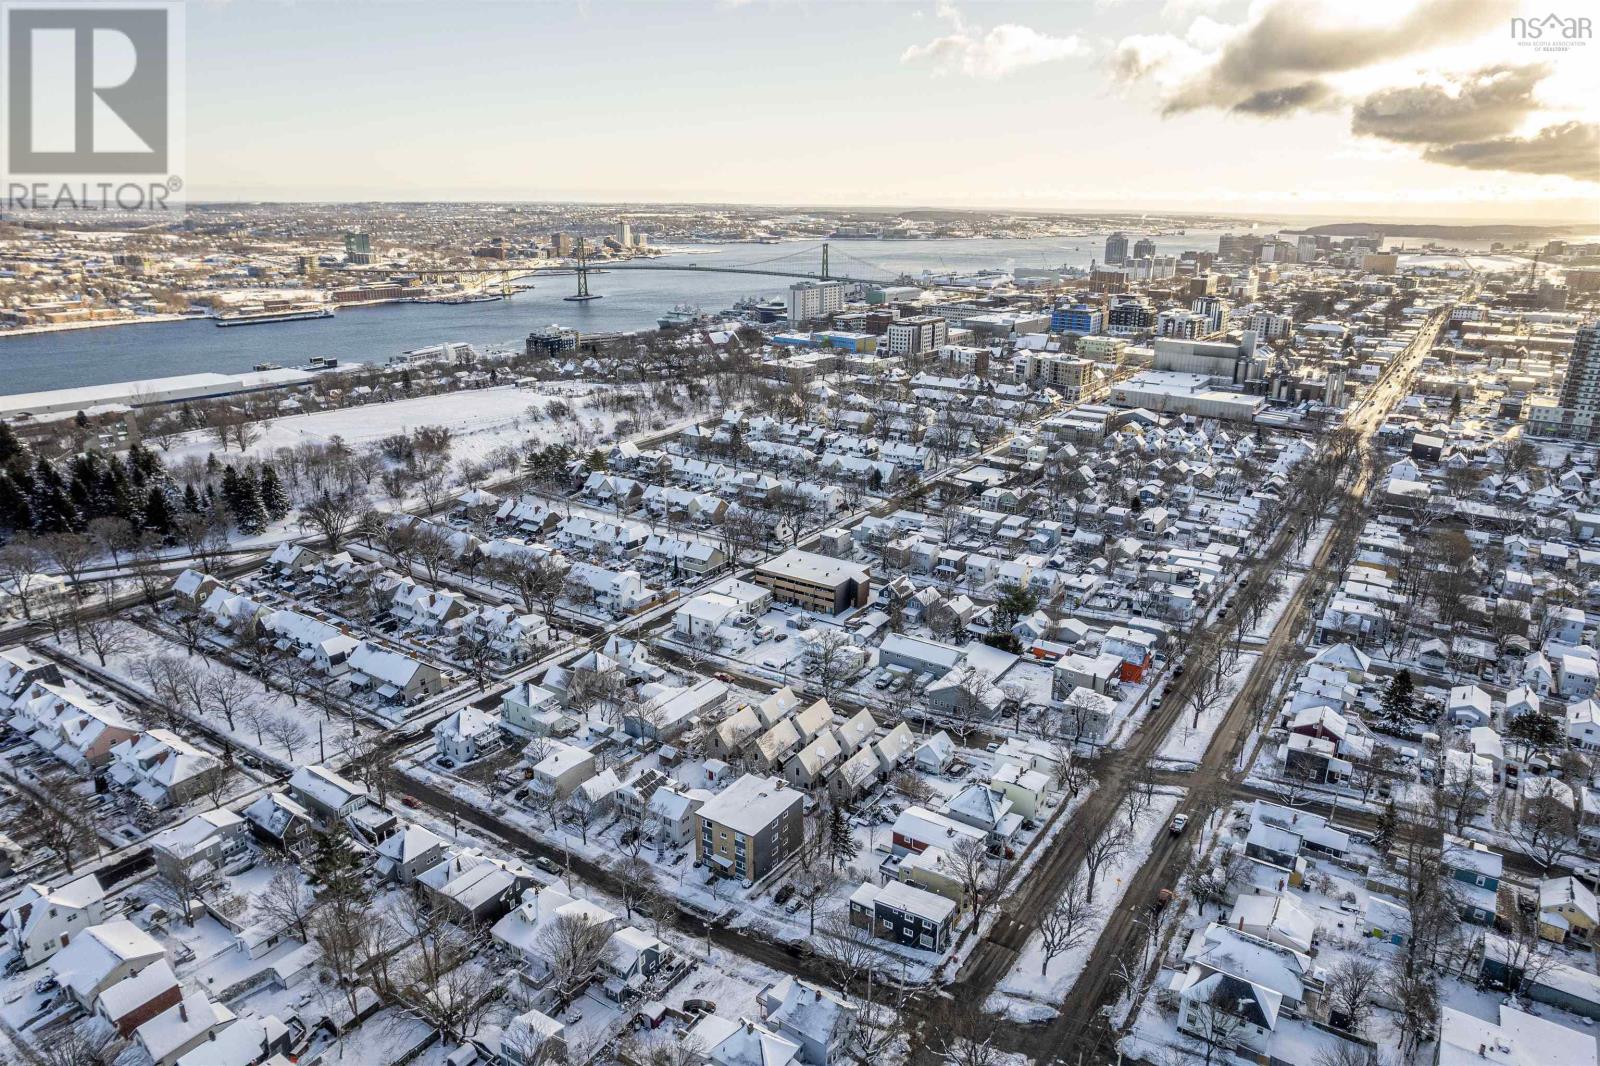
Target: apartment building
x,y
816,582
749,827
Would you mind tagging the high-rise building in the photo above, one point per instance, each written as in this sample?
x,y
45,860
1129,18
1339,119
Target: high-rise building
x,y
1130,315
1116,249
1077,318
916,335
563,245
305,265
1271,326
1229,246
1144,248
1214,309
811,300
358,249
1580,393
624,234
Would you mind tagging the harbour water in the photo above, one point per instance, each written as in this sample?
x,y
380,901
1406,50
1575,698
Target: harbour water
x,y
633,300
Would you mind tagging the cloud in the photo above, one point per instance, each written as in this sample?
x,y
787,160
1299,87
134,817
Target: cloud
x,y
1570,148
1268,103
1264,65
990,54
1290,56
1486,103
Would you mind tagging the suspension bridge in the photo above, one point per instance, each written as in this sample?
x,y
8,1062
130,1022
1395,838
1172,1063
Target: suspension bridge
x,y
786,265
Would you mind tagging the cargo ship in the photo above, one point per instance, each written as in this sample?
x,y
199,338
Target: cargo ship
x,y
255,316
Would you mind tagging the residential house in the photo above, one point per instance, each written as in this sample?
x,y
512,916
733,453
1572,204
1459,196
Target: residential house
x,y
468,735
905,914
817,1020
163,769
195,851
563,768
39,921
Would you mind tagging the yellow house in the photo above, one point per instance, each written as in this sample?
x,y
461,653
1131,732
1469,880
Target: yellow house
x,y
1566,910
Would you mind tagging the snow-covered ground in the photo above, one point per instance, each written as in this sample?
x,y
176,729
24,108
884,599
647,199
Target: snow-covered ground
x,y
1030,990
1188,739
480,420
143,646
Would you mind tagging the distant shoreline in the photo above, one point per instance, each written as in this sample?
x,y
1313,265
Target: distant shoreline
x,y
65,327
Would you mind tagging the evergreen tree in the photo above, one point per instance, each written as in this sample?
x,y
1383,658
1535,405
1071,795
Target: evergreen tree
x,y
191,498
12,451
158,516
1386,823
143,464
273,497
842,844
1455,406
15,513
230,489
249,514
336,867
53,510
1399,699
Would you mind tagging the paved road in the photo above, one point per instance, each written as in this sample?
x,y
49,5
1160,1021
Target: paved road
x,y
739,941
1080,1022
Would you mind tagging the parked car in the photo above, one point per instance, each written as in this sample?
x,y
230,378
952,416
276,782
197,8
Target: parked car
x,y
783,893
545,863
699,1006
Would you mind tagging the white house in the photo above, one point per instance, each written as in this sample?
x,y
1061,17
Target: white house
x,y
40,920
468,734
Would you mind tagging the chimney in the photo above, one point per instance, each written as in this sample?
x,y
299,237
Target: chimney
x,y
183,1011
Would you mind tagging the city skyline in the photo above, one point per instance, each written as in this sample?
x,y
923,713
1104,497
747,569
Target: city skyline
x,y
1275,108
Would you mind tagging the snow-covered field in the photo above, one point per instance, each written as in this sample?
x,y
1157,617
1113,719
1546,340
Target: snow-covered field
x,y
144,646
480,421
1030,989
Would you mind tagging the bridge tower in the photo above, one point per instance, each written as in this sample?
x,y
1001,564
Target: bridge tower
x,y
824,260
583,294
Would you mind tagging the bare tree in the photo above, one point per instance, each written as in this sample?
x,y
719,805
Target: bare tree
x,y
21,563
285,903
184,889
1103,849
975,872
227,693
1547,826
636,880
576,947
1346,1053
49,814
331,514
79,1043
288,732
1216,1020
1350,987
1067,923
105,637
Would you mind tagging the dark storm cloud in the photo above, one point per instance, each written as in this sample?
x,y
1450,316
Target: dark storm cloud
x,y
1487,103
1571,148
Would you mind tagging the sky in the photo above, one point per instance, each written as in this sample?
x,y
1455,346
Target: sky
x,y
1416,109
